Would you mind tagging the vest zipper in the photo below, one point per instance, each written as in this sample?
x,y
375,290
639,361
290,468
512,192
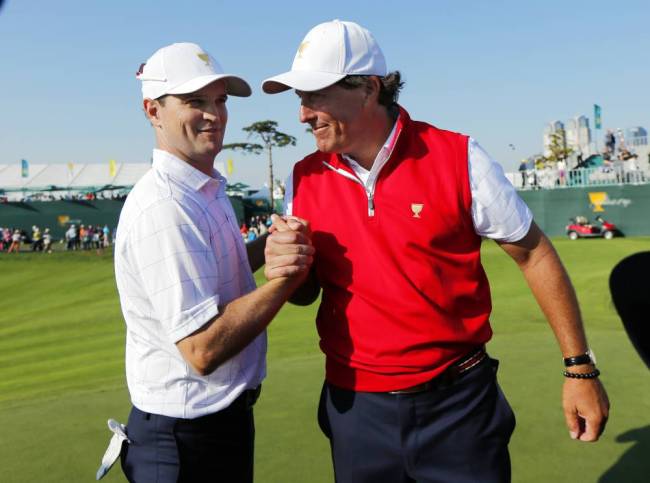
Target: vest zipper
x,y
370,192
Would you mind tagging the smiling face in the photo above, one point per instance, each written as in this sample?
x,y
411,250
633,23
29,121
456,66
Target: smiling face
x,y
337,117
191,126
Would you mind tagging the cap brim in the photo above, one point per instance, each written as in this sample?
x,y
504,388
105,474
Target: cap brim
x,y
235,86
301,81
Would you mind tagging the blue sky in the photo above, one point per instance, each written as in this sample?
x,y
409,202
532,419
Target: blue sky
x,y
496,70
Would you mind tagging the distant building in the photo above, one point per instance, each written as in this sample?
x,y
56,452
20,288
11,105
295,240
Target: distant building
x,y
636,136
578,135
552,128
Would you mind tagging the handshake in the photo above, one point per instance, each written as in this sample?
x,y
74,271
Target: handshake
x,y
289,253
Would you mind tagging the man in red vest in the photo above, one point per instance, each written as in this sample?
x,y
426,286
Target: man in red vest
x,y
397,210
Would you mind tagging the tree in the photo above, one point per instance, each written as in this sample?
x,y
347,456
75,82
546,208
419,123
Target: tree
x,y
558,148
268,132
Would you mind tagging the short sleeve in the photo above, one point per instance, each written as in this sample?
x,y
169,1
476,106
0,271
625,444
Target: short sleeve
x,y
169,249
288,195
497,210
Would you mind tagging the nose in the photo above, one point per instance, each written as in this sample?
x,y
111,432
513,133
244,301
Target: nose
x,y
214,114
306,114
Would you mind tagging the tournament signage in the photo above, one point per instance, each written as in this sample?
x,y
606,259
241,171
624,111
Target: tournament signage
x,y
598,199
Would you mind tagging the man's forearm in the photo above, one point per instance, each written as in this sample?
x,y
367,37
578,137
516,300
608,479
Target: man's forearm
x,y
238,323
584,401
552,288
308,292
255,252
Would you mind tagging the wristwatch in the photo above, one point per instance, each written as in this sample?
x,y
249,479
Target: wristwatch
x,y
587,358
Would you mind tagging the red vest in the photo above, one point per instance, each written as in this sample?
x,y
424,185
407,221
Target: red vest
x,y
404,291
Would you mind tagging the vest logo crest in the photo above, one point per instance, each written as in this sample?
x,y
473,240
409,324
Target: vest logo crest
x,y
416,208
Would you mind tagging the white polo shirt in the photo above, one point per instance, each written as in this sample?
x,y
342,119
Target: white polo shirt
x,y
178,257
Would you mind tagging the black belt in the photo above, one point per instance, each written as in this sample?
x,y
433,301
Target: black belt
x,y
246,399
449,375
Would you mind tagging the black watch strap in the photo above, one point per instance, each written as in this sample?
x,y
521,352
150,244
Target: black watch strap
x,y
577,360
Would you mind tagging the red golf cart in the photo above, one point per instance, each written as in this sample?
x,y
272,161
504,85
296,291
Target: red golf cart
x,y
579,227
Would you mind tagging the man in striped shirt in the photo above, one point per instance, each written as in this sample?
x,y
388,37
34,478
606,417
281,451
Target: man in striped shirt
x,y
195,341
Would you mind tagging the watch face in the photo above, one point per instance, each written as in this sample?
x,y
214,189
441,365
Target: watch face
x,y
592,356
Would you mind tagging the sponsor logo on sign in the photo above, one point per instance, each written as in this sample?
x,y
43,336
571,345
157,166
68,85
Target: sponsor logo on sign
x,y
598,199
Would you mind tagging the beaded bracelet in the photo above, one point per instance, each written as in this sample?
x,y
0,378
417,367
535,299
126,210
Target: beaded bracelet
x,y
587,375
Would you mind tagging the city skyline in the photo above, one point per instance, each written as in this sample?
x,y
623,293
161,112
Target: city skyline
x,y
497,72
576,133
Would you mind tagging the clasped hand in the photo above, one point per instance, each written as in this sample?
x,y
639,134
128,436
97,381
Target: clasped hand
x,y
288,252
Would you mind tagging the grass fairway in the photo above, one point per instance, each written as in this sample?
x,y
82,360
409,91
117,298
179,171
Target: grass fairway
x,y
62,375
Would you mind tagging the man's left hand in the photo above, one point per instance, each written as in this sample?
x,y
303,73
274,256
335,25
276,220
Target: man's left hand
x,y
586,408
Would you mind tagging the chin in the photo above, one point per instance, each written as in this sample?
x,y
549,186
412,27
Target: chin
x,y
324,147
212,150
206,156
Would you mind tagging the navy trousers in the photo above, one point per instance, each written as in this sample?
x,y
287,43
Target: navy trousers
x,y
456,432
214,448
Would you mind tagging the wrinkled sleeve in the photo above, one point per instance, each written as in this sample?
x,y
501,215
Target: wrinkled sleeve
x,y
497,210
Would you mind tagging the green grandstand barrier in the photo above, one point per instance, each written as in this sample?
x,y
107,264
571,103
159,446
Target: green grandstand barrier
x,y
58,215
627,206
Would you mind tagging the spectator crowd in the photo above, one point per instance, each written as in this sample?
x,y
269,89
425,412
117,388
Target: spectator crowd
x,y
76,238
619,167
87,237
256,227
65,196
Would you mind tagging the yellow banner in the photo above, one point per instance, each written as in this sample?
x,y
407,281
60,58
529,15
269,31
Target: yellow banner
x,y
112,168
230,166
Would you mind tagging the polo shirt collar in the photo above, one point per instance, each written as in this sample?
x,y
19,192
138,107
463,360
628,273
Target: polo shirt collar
x,y
386,150
183,172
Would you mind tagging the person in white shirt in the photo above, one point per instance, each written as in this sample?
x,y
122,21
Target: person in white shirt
x,y
71,238
15,242
47,241
195,339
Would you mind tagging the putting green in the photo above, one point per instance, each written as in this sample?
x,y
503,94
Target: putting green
x,y
62,374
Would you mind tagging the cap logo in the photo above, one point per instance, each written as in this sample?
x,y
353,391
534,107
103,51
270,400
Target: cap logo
x,y
139,72
302,48
204,57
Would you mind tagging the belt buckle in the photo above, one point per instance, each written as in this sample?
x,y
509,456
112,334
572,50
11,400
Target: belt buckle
x,y
425,386
449,375
472,361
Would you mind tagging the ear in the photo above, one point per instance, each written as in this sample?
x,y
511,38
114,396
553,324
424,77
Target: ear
x,y
151,109
372,89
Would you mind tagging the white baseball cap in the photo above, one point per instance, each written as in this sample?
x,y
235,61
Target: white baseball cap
x,y
327,54
183,68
